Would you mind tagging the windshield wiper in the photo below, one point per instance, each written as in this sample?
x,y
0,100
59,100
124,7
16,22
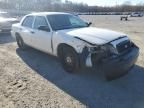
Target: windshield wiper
x,y
70,27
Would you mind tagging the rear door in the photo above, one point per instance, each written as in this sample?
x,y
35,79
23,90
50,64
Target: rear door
x,y
42,38
26,29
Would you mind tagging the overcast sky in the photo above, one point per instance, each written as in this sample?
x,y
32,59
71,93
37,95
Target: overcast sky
x,y
107,2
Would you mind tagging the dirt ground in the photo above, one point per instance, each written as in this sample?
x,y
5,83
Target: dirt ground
x,y
32,79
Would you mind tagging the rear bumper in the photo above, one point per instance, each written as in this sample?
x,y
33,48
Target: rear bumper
x,y
116,67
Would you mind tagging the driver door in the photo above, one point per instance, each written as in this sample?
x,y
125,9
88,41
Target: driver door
x,y
42,38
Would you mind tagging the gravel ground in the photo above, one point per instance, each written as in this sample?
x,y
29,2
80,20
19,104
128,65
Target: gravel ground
x,y
32,79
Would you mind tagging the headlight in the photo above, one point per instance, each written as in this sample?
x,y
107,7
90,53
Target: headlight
x,y
113,50
93,49
109,48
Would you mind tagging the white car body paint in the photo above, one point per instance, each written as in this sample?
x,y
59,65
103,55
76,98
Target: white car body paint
x,y
93,35
49,41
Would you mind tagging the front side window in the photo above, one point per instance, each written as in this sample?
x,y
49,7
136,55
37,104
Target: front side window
x,y
28,21
65,21
40,21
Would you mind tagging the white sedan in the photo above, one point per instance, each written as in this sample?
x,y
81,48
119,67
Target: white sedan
x,y
6,22
75,43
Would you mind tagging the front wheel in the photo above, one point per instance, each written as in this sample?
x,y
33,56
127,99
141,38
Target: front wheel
x,y
69,59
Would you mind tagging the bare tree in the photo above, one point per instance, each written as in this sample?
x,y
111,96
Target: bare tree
x,y
67,6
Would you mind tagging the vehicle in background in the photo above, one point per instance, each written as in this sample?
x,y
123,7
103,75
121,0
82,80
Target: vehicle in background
x,y
75,43
6,21
136,14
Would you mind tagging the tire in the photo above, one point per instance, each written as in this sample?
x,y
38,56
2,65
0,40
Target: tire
x,y
69,59
20,43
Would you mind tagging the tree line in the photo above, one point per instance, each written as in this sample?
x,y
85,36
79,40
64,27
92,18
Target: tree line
x,y
67,6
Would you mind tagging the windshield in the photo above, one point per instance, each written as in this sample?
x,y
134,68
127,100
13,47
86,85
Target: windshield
x,y
60,22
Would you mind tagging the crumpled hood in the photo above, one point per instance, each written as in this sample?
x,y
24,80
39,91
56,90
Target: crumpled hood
x,y
93,35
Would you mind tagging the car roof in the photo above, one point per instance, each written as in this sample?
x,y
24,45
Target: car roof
x,y
48,13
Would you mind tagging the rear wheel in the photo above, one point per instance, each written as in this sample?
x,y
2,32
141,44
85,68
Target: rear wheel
x,y
20,43
69,59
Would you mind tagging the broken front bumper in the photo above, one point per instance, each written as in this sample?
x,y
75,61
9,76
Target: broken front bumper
x,y
116,67
113,67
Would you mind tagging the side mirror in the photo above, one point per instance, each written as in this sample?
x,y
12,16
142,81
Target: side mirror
x,y
44,28
89,23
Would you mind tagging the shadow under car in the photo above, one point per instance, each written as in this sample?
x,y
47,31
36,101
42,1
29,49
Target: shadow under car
x,y
89,86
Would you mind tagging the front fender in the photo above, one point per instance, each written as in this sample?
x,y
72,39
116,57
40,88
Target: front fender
x,y
58,39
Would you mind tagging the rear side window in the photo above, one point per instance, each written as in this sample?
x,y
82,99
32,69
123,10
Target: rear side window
x,y
40,21
28,21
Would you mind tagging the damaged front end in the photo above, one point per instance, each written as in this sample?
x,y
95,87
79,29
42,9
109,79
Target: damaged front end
x,y
93,56
115,58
